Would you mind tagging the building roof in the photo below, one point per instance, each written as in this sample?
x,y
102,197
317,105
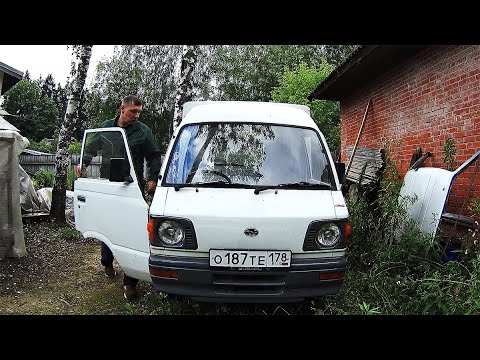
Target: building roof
x,y
10,78
363,65
5,125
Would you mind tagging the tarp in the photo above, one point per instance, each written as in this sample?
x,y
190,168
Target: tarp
x,y
40,202
12,242
29,200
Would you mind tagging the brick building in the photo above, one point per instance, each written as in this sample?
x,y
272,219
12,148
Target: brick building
x,y
421,96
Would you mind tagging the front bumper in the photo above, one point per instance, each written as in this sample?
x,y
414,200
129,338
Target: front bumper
x,y
201,282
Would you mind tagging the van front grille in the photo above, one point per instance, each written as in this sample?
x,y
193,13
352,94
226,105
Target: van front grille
x,y
248,284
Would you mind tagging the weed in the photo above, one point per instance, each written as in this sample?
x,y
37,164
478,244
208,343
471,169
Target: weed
x,y
69,234
449,152
365,309
43,178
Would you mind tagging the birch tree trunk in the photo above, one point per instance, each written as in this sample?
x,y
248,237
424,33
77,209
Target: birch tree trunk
x,y
82,55
185,83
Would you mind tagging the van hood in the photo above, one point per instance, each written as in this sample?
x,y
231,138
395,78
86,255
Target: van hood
x,y
220,216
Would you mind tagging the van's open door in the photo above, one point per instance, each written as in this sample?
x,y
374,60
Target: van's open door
x,y
108,203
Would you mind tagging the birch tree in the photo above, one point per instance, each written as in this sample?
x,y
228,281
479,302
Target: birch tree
x,y
82,54
185,88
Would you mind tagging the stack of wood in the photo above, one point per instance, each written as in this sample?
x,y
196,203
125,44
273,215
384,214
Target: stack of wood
x,y
367,166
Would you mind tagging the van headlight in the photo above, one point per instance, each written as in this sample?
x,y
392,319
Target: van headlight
x,y
328,234
171,232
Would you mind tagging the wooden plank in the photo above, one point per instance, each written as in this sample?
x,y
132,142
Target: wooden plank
x,y
358,136
368,164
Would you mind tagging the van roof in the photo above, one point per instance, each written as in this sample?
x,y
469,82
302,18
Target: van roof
x,y
247,111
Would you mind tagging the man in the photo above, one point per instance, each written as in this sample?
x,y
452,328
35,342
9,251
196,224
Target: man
x,y
142,146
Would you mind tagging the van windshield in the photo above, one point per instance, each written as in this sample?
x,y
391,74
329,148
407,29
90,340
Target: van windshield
x,y
247,155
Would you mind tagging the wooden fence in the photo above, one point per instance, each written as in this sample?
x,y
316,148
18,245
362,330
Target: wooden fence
x,y
32,163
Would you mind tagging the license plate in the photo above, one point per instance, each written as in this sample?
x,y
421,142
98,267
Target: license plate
x,y
250,258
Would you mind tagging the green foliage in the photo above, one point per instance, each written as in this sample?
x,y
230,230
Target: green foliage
x,y
474,207
251,72
471,243
43,178
395,266
69,234
50,146
36,115
130,308
327,116
336,54
45,145
449,152
75,147
55,92
297,84
70,179
366,309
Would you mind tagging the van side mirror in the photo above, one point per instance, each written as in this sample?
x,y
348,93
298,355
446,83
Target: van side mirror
x,y
340,167
120,170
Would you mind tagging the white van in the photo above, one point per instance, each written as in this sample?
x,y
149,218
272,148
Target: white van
x,y
248,207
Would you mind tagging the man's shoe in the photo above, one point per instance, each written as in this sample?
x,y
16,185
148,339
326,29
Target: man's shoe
x,y
129,292
110,271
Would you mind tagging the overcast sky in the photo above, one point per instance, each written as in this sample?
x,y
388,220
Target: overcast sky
x,y
41,60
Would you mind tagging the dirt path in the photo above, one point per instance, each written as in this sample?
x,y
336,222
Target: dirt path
x,y
61,274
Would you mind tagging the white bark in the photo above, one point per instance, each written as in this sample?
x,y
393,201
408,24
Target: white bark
x,y
62,160
185,88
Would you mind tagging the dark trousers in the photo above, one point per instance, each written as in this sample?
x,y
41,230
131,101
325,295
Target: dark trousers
x,y
107,260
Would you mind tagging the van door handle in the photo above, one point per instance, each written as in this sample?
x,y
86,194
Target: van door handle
x,y
81,198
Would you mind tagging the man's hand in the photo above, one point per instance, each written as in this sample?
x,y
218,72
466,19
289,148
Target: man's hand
x,y
151,186
78,170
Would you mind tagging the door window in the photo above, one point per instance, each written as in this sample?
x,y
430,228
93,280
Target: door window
x,y
99,149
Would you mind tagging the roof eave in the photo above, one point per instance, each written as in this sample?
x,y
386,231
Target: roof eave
x,y
365,64
10,78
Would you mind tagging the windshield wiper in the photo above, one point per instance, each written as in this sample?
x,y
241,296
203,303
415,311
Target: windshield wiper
x,y
179,186
295,185
228,164
216,183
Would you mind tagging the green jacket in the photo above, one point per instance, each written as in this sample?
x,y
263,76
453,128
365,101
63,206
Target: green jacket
x,y
142,146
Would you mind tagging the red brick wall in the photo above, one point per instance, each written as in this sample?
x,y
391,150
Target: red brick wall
x,y
432,96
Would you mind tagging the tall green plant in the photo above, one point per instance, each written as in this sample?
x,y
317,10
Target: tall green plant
x,y
70,179
387,253
297,84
